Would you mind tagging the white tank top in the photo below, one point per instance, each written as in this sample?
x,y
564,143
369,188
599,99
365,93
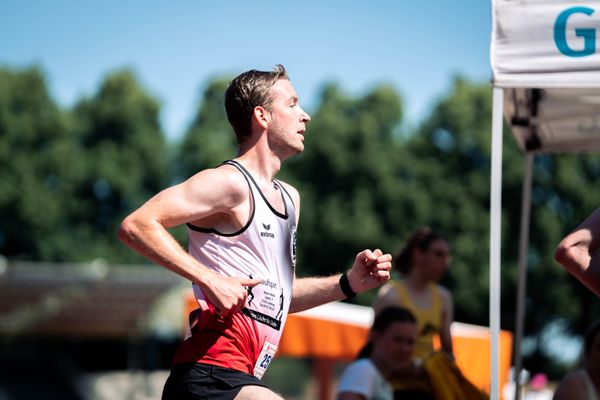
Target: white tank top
x,y
263,249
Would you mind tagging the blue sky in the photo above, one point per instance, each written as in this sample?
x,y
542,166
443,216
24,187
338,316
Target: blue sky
x,y
175,47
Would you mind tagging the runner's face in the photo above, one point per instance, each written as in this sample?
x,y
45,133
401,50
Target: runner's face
x,y
287,123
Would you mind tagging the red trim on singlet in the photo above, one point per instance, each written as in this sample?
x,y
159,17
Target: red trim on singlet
x,y
231,343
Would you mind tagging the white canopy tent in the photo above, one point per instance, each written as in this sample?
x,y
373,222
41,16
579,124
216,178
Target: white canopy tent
x,y
545,59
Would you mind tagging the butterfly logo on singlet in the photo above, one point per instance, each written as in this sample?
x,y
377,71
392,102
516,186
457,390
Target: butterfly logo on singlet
x,y
266,233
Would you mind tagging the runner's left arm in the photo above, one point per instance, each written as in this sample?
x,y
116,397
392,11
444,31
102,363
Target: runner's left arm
x,y
370,270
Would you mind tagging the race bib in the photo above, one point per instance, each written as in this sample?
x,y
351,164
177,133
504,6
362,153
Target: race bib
x,y
264,359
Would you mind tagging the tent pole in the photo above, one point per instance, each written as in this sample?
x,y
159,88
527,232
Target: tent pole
x,y
522,277
495,235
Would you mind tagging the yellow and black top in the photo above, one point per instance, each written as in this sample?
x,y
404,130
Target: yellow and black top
x,y
429,319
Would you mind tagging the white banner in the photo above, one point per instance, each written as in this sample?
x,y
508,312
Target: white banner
x,y
546,44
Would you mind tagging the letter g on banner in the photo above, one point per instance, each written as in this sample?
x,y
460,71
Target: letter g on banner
x,y
588,35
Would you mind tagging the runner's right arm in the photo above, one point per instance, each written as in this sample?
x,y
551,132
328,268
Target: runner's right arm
x,y
222,192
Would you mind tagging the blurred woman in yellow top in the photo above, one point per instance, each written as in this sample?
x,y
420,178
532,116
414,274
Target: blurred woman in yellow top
x,y
421,264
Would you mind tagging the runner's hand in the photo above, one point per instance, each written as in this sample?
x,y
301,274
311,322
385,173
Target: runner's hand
x,y
227,294
370,269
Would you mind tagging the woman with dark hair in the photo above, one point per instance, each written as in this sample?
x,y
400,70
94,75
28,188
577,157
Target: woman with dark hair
x,y
584,384
421,263
389,348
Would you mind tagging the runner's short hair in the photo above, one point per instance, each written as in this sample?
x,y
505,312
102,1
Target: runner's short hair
x,y
245,92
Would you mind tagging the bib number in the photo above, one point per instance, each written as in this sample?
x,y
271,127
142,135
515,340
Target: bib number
x,y
264,359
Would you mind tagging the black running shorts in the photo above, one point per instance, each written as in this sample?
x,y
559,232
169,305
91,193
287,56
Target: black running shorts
x,y
204,381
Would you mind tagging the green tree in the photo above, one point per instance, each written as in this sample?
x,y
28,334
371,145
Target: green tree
x,y
346,177
210,139
450,190
451,184
39,167
68,178
119,131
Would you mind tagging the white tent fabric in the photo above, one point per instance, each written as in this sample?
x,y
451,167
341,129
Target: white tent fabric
x,y
546,55
546,75
545,43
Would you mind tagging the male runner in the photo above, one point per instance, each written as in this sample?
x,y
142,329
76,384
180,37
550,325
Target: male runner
x,y
241,223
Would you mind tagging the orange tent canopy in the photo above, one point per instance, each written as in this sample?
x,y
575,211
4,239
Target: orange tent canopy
x,y
338,331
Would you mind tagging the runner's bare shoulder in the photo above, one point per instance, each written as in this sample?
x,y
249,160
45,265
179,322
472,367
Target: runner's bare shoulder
x,y
225,187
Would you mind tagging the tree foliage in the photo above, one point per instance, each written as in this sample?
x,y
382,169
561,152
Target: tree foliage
x,y
210,139
68,177
350,203
119,132
38,166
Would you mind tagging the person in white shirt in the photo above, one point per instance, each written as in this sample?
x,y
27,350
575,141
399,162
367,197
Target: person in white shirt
x,y
390,347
